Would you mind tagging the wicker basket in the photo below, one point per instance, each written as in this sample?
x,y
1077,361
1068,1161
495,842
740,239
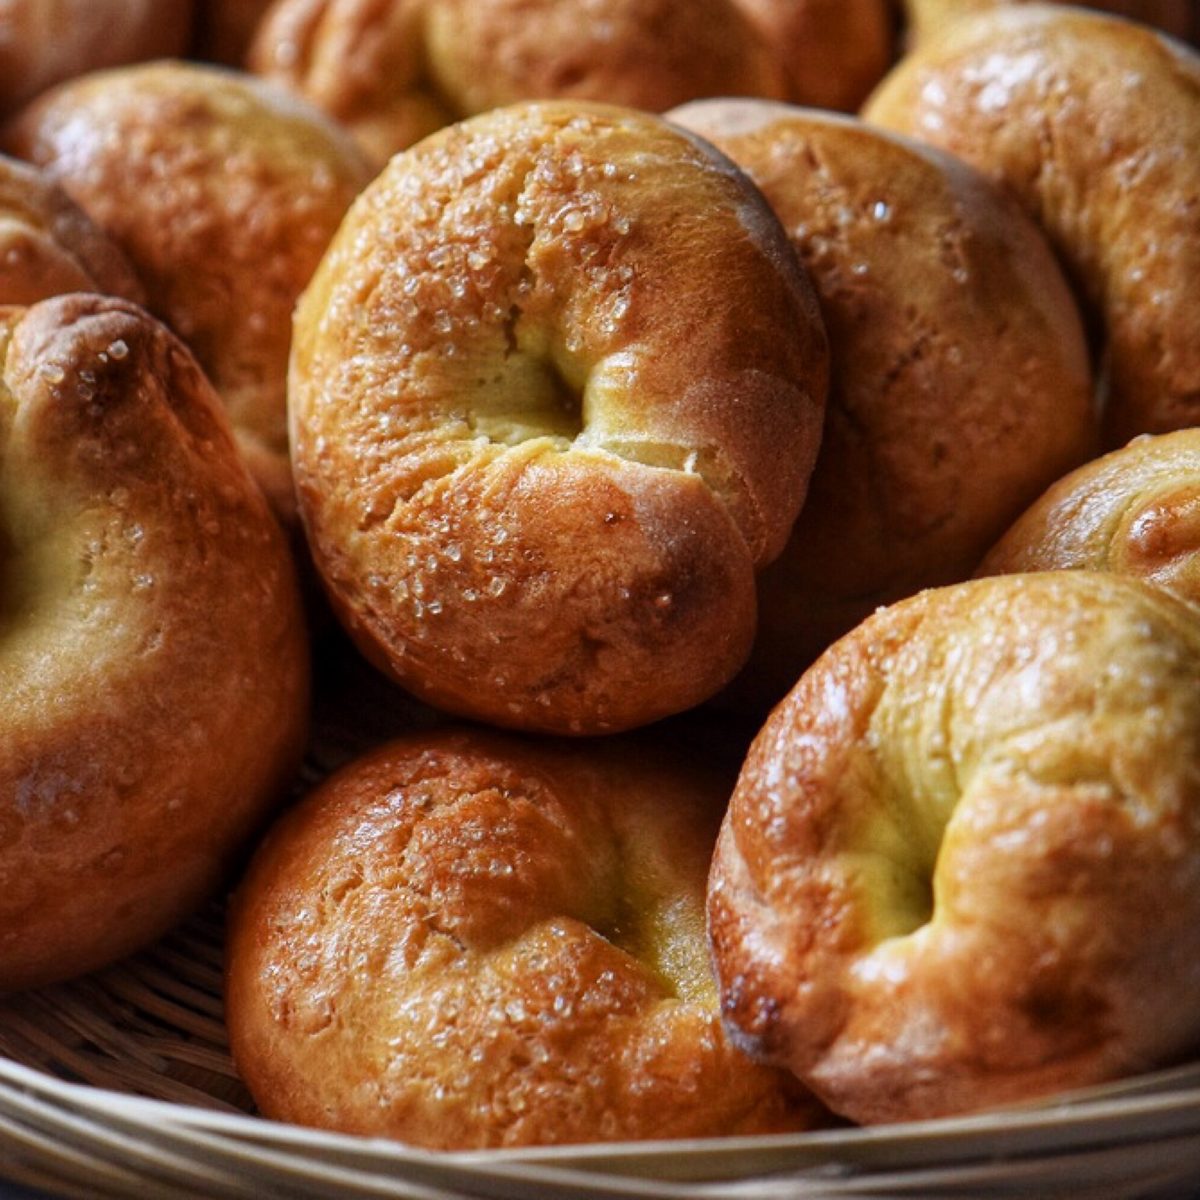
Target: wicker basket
x,y
121,1085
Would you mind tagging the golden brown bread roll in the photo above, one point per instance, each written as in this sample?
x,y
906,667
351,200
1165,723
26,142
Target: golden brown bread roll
x,y
961,867
555,394
43,42
395,70
223,192
154,661
1134,512
49,246
960,384
1093,122
833,51
1177,17
464,940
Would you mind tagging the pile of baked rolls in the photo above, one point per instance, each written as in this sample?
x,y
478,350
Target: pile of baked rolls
x,y
788,519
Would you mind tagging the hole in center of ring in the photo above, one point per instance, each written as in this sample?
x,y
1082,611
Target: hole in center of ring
x,y
531,395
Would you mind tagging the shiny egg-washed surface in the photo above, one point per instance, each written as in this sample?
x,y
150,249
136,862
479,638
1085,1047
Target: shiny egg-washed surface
x,y
961,867
1092,122
556,391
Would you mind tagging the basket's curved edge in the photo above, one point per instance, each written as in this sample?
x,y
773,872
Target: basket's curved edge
x,y
1077,1125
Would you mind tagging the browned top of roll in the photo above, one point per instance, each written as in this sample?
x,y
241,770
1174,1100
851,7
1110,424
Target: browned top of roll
x,y
395,71
465,940
960,385
1093,123
154,660
961,867
1134,512
555,389
223,192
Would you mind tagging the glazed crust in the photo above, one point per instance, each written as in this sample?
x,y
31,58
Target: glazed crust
x,y
223,192
395,70
1093,123
833,51
463,940
154,664
1134,512
49,246
961,867
960,385
44,42
555,393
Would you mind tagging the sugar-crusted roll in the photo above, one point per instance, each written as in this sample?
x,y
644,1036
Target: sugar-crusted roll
x,y
395,70
1135,511
49,246
960,385
1177,17
1093,122
833,51
961,867
43,42
154,662
555,394
465,940
223,192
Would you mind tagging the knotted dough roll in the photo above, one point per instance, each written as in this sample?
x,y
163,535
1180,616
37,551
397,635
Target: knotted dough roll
x,y
223,192
960,385
465,940
961,867
154,664
555,394
393,71
1093,123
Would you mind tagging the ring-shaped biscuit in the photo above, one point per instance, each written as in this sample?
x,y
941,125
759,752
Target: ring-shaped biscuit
x,y
555,394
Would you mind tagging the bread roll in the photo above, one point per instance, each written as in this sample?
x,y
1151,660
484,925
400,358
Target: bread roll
x,y
961,867
154,663
464,940
1134,512
223,192
1093,123
960,385
395,70
555,393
